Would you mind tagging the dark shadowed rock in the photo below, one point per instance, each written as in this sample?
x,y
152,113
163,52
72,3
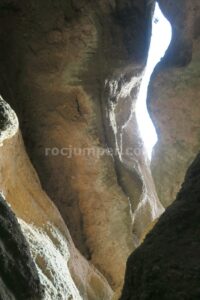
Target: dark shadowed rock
x,y
180,13
18,275
167,264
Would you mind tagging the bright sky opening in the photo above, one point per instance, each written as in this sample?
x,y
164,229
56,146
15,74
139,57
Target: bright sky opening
x,y
160,40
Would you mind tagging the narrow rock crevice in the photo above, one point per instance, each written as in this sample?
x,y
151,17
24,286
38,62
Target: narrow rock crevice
x,y
72,70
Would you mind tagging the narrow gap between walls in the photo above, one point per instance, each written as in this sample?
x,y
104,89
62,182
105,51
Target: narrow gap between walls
x,y
160,40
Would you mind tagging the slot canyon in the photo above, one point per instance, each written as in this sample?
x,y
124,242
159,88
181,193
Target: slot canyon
x,y
87,211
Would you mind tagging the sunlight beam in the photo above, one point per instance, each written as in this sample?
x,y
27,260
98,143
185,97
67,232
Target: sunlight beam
x,y
160,40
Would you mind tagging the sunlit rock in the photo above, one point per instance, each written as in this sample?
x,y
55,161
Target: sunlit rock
x,y
55,60
174,105
61,268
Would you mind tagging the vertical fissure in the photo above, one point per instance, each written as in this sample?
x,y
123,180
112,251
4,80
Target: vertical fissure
x,y
160,40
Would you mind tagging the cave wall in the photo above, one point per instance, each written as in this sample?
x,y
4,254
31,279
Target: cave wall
x,y
61,269
55,58
70,69
173,100
18,276
166,265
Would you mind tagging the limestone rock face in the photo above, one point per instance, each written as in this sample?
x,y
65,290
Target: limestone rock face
x,y
166,265
132,162
174,101
72,71
56,57
62,271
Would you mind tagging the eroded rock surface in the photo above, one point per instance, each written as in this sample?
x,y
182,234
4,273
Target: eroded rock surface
x,y
72,71
18,275
174,100
62,271
166,265
132,163
55,59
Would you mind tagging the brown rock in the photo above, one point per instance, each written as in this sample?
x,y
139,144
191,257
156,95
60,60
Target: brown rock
x,y
56,90
174,107
61,268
